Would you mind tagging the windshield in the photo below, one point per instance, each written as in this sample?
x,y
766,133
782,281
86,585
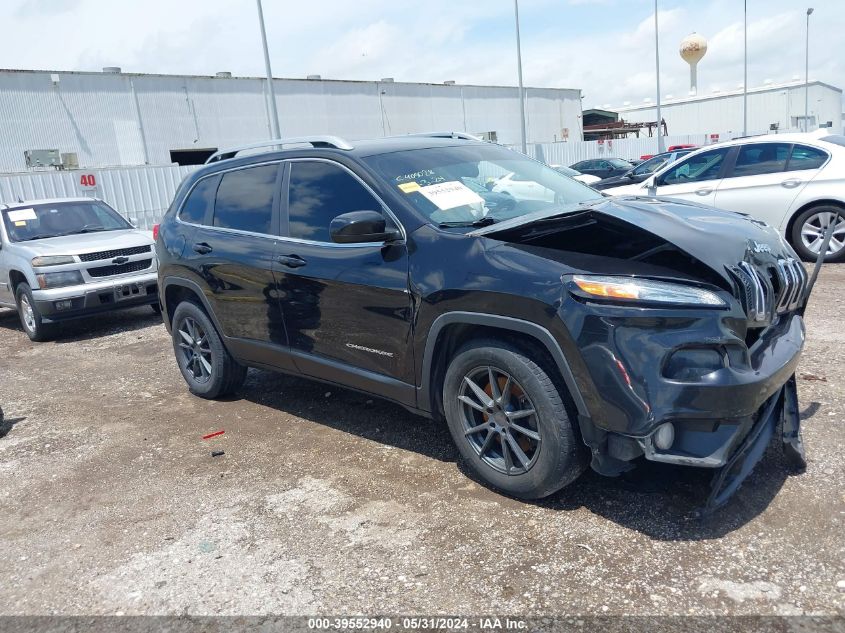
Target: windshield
x,y
476,185
618,163
41,221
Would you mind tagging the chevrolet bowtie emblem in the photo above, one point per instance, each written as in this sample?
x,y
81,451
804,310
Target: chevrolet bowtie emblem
x,y
120,260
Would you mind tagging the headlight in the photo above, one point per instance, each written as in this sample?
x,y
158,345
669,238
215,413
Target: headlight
x,y
57,280
646,290
52,260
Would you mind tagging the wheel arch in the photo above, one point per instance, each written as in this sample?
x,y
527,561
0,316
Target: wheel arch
x,y
178,289
452,329
808,205
16,278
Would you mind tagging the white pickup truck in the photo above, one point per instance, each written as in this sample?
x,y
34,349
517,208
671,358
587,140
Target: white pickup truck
x,y
68,258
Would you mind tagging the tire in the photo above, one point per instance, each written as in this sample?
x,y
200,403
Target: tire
x,y
551,457
31,319
205,363
808,231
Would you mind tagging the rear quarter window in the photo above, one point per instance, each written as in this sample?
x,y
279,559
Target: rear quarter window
x,y
197,203
806,157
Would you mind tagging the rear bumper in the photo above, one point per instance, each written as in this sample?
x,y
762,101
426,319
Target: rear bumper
x,y
73,302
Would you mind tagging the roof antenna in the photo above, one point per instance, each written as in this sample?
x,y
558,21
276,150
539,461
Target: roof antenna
x,y
20,200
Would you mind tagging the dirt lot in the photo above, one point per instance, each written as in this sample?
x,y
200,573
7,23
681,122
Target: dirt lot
x,y
329,502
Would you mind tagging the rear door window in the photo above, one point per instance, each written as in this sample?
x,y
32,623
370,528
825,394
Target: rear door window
x,y
806,157
245,199
755,159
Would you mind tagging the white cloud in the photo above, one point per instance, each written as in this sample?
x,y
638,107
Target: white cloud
x,y
605,47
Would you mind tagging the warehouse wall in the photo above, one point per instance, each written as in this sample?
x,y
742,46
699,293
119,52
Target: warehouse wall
x,y
715,113
120,119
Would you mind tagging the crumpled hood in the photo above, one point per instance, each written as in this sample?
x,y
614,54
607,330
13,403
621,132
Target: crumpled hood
x,y
715,238
87,242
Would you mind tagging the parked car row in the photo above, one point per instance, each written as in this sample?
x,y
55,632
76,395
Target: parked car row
x,y
793,182
641,171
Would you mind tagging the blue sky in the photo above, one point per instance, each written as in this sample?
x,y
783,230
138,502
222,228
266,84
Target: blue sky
x,y
604,47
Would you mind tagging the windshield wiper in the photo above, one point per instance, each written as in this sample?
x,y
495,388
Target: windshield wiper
x,y
87,230
40,236
485,221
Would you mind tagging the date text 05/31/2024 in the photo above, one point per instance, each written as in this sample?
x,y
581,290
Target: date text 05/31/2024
x,y
415,623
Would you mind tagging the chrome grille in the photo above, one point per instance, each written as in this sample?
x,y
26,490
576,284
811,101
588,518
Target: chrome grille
x,y
120,269
120,252
764,297
792,280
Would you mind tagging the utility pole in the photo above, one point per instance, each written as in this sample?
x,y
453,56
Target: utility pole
x,y
274,113
519,70
807,75
745,69
661,146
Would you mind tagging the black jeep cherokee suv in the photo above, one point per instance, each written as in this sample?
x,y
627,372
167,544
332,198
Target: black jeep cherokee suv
x,y
569,328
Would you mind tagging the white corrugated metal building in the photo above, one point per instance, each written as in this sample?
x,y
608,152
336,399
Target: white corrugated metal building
x,y
771,104
110,119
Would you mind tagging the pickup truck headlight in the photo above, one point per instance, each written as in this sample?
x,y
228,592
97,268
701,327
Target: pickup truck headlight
x,y
52,260
58,280
631,289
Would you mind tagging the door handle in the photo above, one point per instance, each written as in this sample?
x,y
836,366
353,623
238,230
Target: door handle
x,y
291,261
790,183
202,248
703,192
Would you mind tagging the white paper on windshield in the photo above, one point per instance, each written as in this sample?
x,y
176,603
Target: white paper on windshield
x,y
448,195
20,215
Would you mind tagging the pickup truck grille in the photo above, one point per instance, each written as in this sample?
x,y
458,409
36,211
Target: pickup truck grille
x,y
770,291
120,269
135,250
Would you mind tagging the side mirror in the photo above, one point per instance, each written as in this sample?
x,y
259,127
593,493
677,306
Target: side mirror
x,y
630,174
362,226
651,184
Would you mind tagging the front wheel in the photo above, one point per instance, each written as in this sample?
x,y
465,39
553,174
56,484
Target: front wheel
x,y
30,316
508,421
808,233
205,363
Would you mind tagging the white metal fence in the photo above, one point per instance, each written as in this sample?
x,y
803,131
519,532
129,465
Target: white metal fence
x,y
141,194
144,193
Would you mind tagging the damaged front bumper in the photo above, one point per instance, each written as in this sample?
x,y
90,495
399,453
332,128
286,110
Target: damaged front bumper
x,y
779,416
691,389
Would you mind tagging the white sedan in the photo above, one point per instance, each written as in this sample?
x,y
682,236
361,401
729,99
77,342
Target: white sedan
x,y
522,188
794,182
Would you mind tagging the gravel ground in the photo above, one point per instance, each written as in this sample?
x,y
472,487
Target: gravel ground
x,y
327,501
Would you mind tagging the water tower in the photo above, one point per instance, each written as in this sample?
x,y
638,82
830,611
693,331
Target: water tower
x,y
693,48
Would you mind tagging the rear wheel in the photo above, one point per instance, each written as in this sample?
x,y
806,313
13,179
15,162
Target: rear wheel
x,y
30,316
508,420
205,363
809,228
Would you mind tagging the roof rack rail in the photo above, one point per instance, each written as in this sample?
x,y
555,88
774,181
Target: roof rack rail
x,y
315,141
460,135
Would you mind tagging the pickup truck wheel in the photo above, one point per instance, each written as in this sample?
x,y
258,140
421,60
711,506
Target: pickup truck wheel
x,y
31,320
205,363
509,422
808,233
